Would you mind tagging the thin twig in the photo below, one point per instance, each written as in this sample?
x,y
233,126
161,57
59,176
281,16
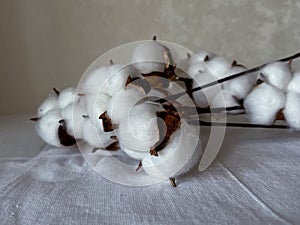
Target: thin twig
x,y
190,110
243,125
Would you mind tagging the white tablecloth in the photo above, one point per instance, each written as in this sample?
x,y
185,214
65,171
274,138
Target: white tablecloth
x,y
254,180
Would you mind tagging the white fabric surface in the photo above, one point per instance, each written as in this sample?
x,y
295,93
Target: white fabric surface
x,y
18,137
254,180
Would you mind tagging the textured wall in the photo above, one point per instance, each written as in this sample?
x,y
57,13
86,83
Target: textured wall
x,y
50,43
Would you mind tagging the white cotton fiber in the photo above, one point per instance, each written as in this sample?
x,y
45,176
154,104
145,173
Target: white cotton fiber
x,y
292,110
67,96
263,104
73,116
94,82
95,136
150,56
139,130
197,69
95,106
139,155
240,86
277,74
201,56
182,66
48,104
203,98
117,76
294,85
123,101
185,100
47,127
219,66
180,155
224,99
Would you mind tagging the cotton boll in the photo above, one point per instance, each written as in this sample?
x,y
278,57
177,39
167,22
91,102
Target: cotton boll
x,y
117,77
277,74
73,115
197,69
94,82
182,65
219,66
96,105
150,56
183,100
95,136
292,110
201,56
240,86
67,96
203,98
123,101
224,99
47,105
263,104
47,127
139,130
139,155
180,155
294,85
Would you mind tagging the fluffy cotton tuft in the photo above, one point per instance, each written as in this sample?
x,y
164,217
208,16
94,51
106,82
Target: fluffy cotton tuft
x,y
294,85
123,101
95,106
292,110
263,104
67,96
95,136
277,74
240,86
201,56
139,131
150,56
117,76
73,116
180,155
139,155
94,82
224,99
219,66
197,69
47,105
203,98
47,127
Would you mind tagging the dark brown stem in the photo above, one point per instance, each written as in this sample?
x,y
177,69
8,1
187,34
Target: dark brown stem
x,y
35,119
190,110
56,91
172,181
139,166
242,125
249,71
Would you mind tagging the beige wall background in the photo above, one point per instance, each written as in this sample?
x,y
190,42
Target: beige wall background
x,y
50,43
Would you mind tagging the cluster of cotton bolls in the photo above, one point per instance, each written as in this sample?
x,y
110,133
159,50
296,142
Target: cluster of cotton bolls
x,y
55,118
206,67
276,96
115,107
109,110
